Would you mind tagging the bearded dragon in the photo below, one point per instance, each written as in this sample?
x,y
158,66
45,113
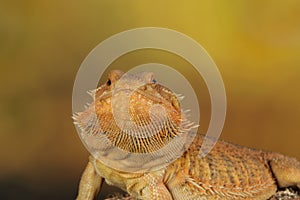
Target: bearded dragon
x,y
227,172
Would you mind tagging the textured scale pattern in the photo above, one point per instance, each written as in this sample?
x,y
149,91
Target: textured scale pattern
x,y
226,171
164,132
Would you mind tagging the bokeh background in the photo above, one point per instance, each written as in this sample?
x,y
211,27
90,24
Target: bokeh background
x,y
256,45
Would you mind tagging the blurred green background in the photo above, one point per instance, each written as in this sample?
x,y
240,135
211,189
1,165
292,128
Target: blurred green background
x,y
255,44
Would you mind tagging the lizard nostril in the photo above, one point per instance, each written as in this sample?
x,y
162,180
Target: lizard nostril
x,y
108,83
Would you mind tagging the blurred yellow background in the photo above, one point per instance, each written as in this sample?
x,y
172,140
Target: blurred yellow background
x,y
255,44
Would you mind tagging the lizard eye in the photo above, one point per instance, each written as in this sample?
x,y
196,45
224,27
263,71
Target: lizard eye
x,y
153,81
108,83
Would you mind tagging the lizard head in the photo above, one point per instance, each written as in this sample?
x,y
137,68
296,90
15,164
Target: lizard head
x,y
142,85
134,112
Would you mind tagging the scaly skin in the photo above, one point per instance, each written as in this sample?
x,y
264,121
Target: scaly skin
x,y
228,172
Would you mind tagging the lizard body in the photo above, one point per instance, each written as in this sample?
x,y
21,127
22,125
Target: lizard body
x,y
227,172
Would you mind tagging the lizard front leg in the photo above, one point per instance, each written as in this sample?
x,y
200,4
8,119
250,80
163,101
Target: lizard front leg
x,y
149,187
90,183
157,192
286,171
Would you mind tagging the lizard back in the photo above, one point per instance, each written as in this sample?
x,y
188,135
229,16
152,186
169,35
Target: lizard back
x,y
229,172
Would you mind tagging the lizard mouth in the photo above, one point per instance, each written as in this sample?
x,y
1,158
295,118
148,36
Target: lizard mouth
x,y
140,133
